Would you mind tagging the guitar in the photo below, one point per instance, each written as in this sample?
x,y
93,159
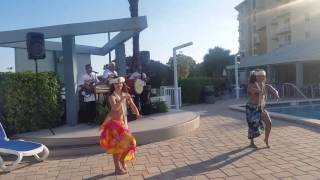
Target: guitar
x,y
87,88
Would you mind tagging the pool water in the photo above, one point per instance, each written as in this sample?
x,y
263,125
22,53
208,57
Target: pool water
x,y
307,111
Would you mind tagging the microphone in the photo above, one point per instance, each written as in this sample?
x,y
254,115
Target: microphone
x,y
95,72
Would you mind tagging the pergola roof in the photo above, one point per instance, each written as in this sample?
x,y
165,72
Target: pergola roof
x,y
127,28
302,51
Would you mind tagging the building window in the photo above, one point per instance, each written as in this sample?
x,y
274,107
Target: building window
x,y
253,4
288,39
307,17
287,21
307,35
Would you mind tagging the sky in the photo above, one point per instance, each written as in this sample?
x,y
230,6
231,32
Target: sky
x,y
207,23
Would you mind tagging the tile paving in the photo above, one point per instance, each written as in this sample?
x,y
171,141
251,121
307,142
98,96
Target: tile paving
x,y
217,150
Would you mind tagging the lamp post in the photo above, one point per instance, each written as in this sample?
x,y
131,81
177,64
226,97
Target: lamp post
x,y
175,72
236,74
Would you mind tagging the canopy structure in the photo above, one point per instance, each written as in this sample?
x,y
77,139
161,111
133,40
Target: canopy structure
x,y
303,51
126,28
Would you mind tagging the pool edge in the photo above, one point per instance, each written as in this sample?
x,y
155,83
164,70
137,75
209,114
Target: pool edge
x,y
295,119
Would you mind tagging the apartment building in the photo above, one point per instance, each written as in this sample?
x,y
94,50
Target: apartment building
x,y
281,36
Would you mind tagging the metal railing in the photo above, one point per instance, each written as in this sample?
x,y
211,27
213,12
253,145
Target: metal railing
x,y
312,90
295,90
290,90
169,91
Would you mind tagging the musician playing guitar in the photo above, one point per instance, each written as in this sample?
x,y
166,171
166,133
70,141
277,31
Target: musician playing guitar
x,y
87,85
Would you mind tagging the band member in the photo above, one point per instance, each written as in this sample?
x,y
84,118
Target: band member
x,y
138,74
87,84
109,72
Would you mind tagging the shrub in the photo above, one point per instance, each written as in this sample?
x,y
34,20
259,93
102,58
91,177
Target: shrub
x,y
192,89
102,114
30,102
161,106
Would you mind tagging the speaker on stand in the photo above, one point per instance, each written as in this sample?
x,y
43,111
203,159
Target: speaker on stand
x,y
35,46
36,50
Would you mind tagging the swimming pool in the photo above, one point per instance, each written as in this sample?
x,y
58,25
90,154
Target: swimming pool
x,y
306,111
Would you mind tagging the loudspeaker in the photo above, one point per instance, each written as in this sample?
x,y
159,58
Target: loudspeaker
x,y
35,45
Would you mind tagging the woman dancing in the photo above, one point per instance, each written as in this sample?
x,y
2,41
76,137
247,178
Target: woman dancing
x,y
115,136
255,108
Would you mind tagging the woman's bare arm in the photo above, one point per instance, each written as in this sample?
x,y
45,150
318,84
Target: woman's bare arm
x,y
133,107
273,90
114,104
252,89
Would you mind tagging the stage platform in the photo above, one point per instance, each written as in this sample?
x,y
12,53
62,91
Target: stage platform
x,y
84,139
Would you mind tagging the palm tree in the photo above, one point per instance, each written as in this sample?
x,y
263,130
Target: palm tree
x,y
134,9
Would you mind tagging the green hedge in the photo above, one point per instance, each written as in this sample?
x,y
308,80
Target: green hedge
x,y
161,107
102,114
192,88
25,108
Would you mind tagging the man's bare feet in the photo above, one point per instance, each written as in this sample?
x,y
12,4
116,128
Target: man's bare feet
x,y
252,145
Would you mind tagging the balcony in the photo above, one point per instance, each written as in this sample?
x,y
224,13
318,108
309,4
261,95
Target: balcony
x,y
256,39
283,29
283,1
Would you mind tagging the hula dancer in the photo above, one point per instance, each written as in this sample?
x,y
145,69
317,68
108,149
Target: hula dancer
x,y
255,108
115,136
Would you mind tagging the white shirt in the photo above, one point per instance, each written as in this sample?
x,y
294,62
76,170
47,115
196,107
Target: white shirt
x,y
84,78
137,75
107,73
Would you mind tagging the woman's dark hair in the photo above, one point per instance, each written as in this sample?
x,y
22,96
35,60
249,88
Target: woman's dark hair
x,y
252,77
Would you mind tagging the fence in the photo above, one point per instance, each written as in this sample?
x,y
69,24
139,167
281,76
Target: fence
x,y
286,90
169,91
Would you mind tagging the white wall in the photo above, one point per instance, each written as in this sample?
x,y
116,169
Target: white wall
x,y
22,63
82,59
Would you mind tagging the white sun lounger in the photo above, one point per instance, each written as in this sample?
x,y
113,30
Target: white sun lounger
x,y
19,148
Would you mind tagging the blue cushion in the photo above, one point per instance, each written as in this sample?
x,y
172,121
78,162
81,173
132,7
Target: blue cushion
x,y
19,145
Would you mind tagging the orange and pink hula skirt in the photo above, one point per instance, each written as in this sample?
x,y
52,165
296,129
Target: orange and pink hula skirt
x,y
116,139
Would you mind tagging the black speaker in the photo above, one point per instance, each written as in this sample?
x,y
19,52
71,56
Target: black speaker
x,y
35,45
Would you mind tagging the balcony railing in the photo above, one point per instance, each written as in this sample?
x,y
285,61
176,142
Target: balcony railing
x,y
283,29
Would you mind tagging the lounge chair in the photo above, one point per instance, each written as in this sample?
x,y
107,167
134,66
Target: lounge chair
x,y
19,148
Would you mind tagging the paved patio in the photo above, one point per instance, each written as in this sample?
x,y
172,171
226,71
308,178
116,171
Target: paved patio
x,y
217,150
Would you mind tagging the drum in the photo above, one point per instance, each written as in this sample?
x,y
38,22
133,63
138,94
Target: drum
x,y
138,86
135,85
130,84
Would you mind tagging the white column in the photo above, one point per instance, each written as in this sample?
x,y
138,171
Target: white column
x,y
299,74
236,74
121,60
270,74
70,79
